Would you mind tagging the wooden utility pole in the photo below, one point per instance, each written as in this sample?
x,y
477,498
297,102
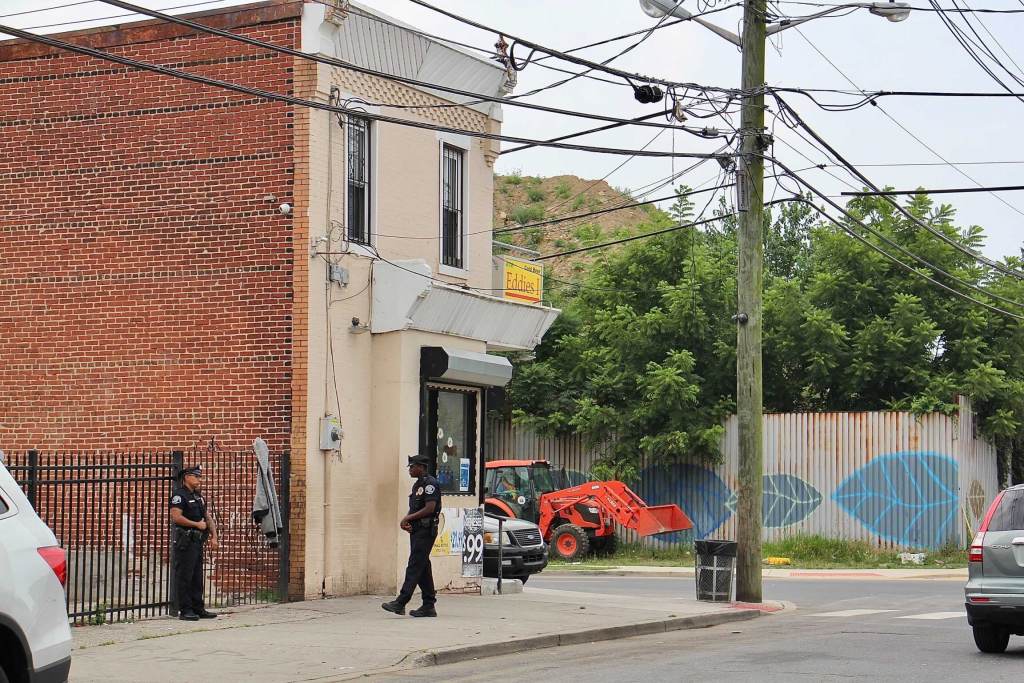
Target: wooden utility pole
x,y
749,403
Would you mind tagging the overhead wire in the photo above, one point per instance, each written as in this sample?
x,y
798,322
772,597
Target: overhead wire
x,y
340,63
289,99
860,238
783,105
896,121
536,47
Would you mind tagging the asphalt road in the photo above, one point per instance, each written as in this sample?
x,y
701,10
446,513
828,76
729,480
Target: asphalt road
x,y
874,630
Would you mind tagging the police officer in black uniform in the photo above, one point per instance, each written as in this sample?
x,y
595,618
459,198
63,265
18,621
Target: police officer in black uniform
x,y
193,527
421,524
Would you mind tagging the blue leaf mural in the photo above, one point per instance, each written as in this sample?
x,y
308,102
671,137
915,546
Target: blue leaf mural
x,y
908,497
697,490
788,499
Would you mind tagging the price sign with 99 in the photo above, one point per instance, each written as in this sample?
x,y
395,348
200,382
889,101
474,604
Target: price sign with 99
x,y
473,542
473,550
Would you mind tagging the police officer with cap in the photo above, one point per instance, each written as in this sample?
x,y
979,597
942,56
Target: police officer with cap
x,y
193,527
421,524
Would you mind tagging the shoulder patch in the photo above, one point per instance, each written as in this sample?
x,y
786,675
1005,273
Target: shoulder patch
x,y
175,500
430,488
419,491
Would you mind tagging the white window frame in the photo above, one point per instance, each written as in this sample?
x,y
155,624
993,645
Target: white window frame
x,y
368,249
369,178
463,143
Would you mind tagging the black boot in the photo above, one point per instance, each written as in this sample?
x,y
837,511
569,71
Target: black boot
x,y
394,606
425,611
206,615
188,616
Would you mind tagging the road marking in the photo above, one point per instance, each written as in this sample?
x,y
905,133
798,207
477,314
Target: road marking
x,y
853,612
935,615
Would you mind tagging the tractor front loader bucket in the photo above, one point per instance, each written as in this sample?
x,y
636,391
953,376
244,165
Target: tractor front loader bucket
x,y
661,519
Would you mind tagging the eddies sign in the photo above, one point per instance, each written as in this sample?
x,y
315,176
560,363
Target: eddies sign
x,y
523,281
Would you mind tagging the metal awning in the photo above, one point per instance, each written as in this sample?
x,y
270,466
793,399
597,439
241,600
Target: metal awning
x,y
405,297
443,364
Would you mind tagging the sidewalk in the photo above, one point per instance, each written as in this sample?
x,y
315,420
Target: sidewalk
x,y
345,638
917,573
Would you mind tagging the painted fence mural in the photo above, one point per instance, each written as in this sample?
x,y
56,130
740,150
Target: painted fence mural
x,y
886,477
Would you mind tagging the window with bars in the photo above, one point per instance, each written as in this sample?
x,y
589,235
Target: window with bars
x,y
358,198
452,233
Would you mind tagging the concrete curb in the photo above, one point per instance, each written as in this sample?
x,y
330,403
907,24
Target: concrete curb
x,y
453,655
787,574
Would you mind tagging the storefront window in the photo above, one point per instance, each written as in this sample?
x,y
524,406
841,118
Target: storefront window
x,y
453,430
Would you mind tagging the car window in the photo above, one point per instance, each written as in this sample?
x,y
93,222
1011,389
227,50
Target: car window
x,y
1010,514
3,506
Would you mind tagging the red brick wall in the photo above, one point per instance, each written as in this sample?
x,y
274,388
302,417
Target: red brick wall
x,y
146,283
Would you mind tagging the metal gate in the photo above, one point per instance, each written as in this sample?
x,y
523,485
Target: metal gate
x,y
109,511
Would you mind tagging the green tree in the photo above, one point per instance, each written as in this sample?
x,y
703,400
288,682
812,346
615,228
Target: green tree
x,y
645,351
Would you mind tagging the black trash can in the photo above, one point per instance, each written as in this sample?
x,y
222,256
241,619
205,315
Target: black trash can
x,y
714,563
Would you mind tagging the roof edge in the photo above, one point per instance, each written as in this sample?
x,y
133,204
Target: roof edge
x,y
150,30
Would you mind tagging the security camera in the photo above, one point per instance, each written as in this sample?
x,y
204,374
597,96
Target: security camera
x,y
285,209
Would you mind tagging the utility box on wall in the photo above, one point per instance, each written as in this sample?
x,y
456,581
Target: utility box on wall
x,y
330,433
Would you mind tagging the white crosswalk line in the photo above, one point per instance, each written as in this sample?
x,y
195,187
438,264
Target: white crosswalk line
x,y
854,612
935,615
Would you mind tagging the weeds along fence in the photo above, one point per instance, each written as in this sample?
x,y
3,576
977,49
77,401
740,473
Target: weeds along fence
x,y
110,512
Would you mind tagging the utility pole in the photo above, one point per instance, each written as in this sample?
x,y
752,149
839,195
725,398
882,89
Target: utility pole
x,y
749,399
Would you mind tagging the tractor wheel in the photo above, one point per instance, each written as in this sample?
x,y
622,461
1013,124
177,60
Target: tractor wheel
x,y
569,542
605,545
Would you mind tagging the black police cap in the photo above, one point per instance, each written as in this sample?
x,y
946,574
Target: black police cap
x,y
419,460
197,471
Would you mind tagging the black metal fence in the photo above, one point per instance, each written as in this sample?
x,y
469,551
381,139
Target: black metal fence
x,y
110,512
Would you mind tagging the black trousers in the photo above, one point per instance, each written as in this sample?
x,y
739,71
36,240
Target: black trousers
x,y
418,572
188,572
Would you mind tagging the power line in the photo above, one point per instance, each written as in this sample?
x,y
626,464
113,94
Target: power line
x,y
115,16
599,212
653,233
956,190
899,125
863,178
47,9
289,99
860,238
535,47
333,61
915,8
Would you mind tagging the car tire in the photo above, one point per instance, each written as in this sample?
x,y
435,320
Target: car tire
x,y
569,542
991,639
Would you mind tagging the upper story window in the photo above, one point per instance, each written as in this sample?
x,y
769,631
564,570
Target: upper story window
x,y
452,219
358,196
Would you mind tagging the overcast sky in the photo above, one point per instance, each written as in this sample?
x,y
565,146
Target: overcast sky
x,y
917,54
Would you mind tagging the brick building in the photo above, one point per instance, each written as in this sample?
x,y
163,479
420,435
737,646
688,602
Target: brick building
x,y
153,294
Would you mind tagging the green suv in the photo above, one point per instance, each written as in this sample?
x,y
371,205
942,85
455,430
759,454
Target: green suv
x,y
995,587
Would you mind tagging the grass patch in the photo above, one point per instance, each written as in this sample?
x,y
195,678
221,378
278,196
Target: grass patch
x,y
806,552
578,202
514,178
816,552
633,554
562,190
535,194
527,214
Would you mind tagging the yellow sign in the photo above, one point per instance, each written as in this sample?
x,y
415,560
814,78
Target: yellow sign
x,y
524,281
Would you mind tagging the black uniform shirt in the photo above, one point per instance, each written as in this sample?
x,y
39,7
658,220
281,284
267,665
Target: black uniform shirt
x,y
425,489
191,504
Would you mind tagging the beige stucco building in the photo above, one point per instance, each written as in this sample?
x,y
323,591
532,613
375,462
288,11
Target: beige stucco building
x,y
401,311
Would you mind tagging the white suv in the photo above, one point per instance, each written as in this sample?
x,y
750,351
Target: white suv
x,y
35,639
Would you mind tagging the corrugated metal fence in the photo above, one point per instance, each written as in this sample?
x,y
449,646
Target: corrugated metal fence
x,y
889,478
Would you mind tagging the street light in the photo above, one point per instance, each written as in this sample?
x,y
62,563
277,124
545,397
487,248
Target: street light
x,y
893,11
753,143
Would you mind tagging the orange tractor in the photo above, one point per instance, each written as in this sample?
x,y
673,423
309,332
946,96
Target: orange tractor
x,y
573,520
